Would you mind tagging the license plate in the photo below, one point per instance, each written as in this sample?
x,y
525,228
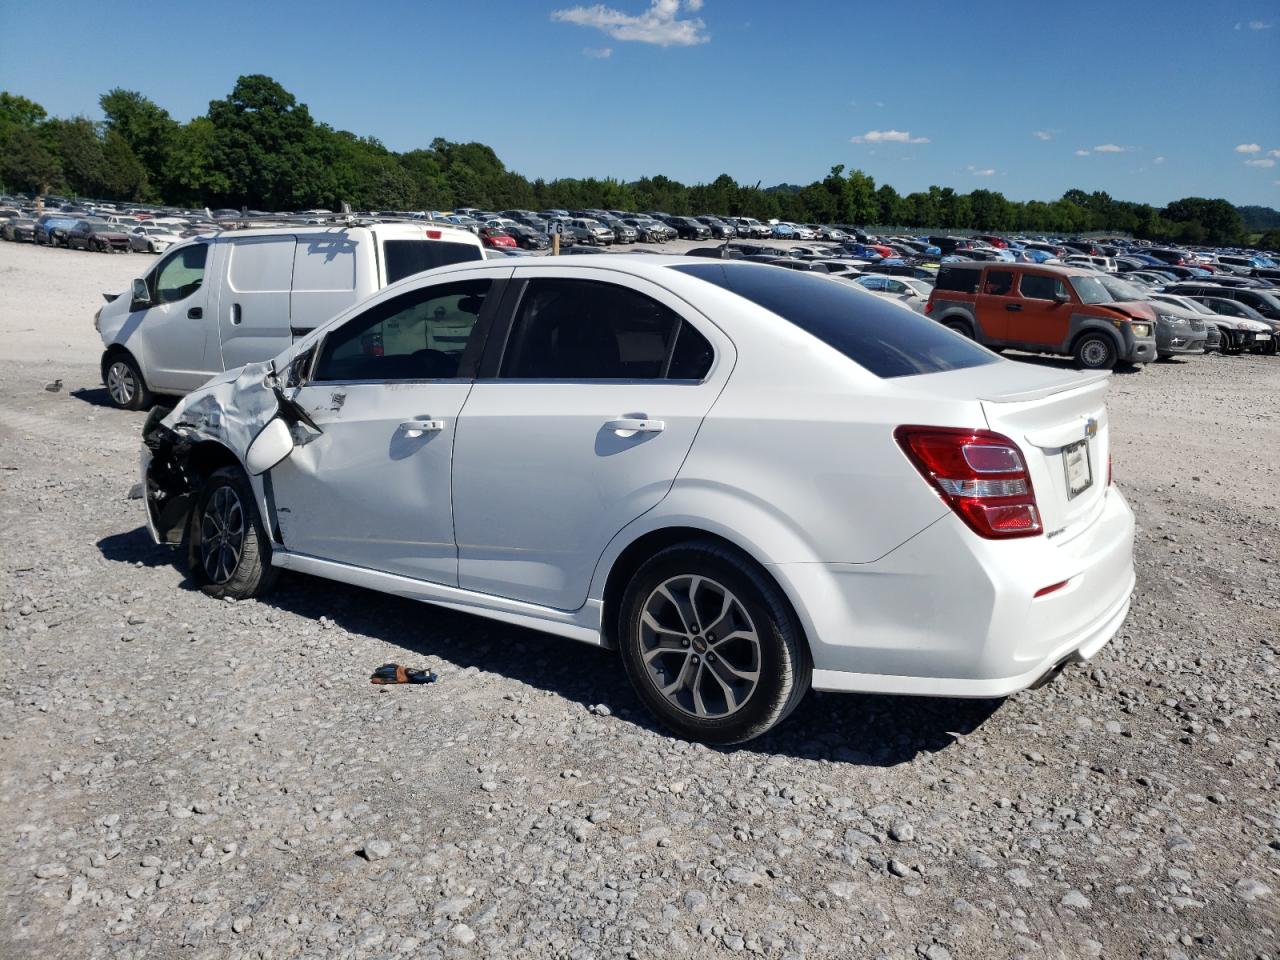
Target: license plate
x,y
1262,336
1075,460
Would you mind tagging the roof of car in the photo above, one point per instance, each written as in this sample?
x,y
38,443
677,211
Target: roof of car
x,y
1046,268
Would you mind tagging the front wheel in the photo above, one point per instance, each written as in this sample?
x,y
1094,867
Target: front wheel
x,y
229,552
711,645
1095,351
125,385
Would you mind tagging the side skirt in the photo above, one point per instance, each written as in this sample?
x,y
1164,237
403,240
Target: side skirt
x,y
582,624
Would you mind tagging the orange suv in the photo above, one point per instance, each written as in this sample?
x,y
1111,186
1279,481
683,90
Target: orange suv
x,y
1043,309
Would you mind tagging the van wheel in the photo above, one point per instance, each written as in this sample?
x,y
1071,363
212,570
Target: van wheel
x,y
711,645
228,549
960,327
1095,351
125,385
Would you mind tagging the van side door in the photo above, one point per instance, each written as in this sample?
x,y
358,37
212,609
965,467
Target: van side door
x,y
324,278
253,301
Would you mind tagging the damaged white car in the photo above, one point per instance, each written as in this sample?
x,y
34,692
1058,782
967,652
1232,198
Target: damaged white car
x,y
750,481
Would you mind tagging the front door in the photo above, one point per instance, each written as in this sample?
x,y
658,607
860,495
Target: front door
x,y
372,489
1045,318
603,384
175,327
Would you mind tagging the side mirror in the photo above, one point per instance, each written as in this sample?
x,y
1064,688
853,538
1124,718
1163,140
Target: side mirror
x,y
269,447
141,295
1061,298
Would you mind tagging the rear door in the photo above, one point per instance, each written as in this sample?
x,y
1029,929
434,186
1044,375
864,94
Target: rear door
x,y
253,304
1043,319
579,424
995,302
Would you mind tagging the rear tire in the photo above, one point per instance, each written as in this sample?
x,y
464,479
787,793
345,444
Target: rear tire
x,y
1095,351
229,552
959,326
721,690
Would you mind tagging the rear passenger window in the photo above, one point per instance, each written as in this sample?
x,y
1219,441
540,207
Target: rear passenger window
x,y
588,330
1037,287
999,283
958,279
407,257
419,335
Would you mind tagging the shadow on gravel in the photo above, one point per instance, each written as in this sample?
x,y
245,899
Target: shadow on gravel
x,y
94,396
857,729
135,547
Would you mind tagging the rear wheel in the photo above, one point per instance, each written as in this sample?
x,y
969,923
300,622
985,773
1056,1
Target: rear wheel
x,y
711,645
229,551
1095,351
960,327
124,382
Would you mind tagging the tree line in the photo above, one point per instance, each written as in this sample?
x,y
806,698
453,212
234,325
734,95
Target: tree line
x,y
260,148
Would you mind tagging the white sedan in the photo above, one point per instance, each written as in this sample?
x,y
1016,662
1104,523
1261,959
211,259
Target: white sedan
x,y
749,480
906,290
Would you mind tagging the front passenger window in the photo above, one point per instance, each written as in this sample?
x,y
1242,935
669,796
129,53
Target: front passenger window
x,y
181,275
419,335
1034,286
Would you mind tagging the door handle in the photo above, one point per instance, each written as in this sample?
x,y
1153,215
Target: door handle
x,y
195,313
235,314
630,426
1013,307
416,428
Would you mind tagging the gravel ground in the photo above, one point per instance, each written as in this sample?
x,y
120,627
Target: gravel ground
x,y
185,777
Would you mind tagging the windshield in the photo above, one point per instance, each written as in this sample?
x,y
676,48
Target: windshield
x,y
1090,290
1122,289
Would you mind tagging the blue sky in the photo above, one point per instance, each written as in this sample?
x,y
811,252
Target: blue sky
x,y
1149,102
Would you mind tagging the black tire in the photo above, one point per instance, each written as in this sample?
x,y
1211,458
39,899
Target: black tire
x,y
1095,351
780,654
124,383
228,550
959,326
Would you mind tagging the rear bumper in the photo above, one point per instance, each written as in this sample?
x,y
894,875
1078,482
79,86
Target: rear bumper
x,y
950,614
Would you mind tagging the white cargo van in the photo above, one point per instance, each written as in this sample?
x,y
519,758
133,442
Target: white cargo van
x,y
224,299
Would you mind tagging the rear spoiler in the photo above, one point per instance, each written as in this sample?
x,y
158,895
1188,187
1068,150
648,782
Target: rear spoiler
x,y
110,297
1070,381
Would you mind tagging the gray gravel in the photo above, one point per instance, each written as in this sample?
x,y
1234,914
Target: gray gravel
x,y
185,777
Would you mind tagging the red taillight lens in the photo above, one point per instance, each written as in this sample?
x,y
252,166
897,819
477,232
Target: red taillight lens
x,y
981,475
928,307
1110,475
434,234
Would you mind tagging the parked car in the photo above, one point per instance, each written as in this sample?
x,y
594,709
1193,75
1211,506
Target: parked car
x,y
910,292
97,236
1234,334
528,238
650,231
148,239
726,570
687,228
1045,309
225,299
20,229
1178,329
591,231
750,227
495,237
1263,343
1265,302
719,229
622,232
51,229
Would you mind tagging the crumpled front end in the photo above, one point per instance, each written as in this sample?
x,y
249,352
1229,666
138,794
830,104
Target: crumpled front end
x,y
208,429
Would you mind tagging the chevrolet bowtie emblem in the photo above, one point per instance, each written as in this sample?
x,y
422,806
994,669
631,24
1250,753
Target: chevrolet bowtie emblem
x,y
1090,428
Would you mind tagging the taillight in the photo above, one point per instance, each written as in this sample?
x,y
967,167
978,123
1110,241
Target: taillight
x,y
981,475
434,234
1110,476
928,307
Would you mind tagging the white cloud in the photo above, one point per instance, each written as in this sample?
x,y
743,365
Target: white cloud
x,y
1260,25
1158,160
1248,148
660,24
1082,153
1043,134
984,172
887,136
597,53
1110,148
1273,153
1260,162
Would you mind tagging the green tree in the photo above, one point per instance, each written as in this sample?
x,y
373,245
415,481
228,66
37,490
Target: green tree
x,y
79,149
28,164
146,128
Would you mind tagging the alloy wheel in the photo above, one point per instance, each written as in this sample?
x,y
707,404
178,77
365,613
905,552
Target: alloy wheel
x,y
121,383
222,535
1095,353
700,647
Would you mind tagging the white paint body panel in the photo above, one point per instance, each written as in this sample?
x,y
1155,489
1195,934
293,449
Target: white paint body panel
x,y
786,451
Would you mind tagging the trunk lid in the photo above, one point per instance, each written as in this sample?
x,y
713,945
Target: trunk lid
x,y
1062,429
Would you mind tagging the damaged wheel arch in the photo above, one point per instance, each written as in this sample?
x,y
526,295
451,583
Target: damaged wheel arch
x,y
179,466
